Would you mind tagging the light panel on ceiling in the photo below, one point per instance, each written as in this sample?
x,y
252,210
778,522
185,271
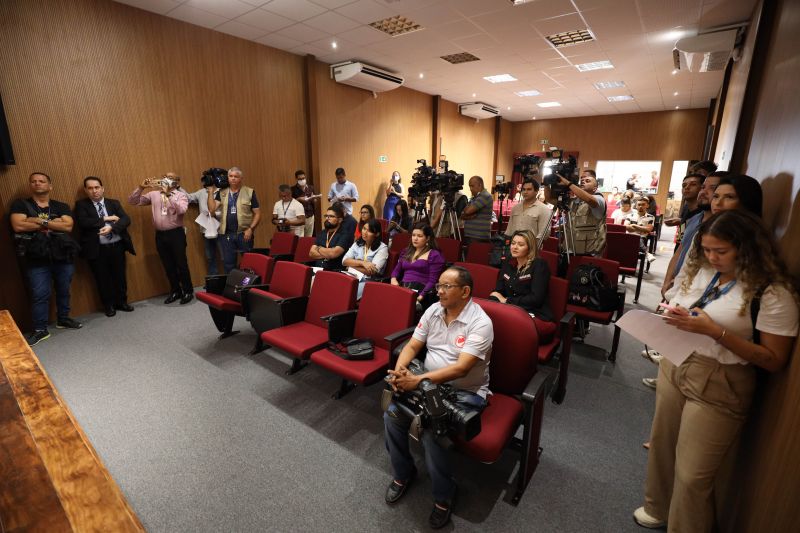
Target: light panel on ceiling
x,y
595,65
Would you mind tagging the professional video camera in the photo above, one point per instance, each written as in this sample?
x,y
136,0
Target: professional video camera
x,y
215,176
434,407
565,168
527,165
503,189
426,180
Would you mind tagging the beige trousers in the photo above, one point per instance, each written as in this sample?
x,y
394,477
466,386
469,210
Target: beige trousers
x,y
700,409
308,229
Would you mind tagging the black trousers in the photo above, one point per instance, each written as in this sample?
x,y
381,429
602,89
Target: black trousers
x,y
171,246
109,273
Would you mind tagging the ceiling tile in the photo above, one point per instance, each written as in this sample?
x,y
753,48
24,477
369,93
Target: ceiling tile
x,y
456,30
559,24
237,29
471,8
309,48
295,9
196,16
405,6
259,18
229,8
156,6
364,35
434,16
303,33
332,22
475,43
366,11
256,3
543,10
279,41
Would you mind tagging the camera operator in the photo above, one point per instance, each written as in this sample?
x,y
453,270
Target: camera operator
x,y
587,213
477,215
241,214
529,214
210,241
288,214
458,335
168,205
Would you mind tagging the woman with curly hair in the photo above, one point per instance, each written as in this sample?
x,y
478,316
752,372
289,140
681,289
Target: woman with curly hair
x,y
420,264
524,281
702,404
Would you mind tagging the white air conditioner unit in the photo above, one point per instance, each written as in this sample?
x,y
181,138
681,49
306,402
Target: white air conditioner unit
x,y
704,53
478,110
365,76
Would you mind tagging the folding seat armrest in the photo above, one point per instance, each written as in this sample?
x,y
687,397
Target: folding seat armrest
x,y
538,387
341,325
566,324
264,313
283,257
216,284
621,294
292,309
395,340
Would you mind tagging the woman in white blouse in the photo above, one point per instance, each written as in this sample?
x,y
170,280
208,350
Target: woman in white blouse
x,y
702,404
367,257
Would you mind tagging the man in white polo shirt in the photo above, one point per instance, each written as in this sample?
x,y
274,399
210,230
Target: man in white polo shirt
x,y
458,335
288,214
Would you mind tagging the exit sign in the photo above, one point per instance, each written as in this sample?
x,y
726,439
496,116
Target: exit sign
x,y
383,159
544,141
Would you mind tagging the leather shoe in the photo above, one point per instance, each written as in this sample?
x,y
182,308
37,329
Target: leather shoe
x,y
186,298
124,307
174,297
395,491
440,517
110,311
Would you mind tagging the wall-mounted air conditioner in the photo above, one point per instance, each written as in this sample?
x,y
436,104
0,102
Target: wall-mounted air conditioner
x,y
478,110
365,76
704,53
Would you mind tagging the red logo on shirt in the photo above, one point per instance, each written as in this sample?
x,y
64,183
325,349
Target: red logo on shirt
x,y
419,326
460,340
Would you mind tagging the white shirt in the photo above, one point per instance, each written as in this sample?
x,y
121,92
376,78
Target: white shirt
x,y
778,313
376,257
534,218
471,332
290,209
619,215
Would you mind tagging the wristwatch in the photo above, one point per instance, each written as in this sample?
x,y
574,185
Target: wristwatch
x,y
45,222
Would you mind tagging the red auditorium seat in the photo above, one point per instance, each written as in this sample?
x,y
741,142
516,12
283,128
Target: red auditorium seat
x,y
478,252
283,245
301,252
518,393
552,261
450,248
558,341
384,230
624,249
550,245
400,242
223,309
484,278
384,315
615,228
304,330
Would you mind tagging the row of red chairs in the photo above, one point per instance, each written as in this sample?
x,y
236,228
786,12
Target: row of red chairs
x,y
299,319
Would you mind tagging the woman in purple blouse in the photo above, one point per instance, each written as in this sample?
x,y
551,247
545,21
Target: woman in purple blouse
x,y
420,264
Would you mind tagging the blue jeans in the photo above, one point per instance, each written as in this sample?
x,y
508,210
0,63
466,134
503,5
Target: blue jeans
x,y
437,459
212,253
231,245
40,278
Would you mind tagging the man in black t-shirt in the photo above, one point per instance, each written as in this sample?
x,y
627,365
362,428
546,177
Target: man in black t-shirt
x,y
333,241
41,230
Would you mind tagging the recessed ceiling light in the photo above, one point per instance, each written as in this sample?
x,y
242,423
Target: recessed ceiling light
x,y
532,92
609,84
534,118
675,93
568,38
421,75
673,35
674,71
677,107
520,2
549,104
463,57
595,65
508,108
474,95
500,78
334,45
622,98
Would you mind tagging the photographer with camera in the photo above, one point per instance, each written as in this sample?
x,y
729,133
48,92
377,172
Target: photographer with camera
x,y
587,213
168,205
240,215
288,214
529,214
458,336
211,180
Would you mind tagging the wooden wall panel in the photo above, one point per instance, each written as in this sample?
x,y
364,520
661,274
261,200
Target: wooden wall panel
x,y
505,153
355,129
93,87
468,145
664,136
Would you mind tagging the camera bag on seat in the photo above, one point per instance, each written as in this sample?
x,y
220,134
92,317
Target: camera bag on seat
x,y
354,349
588,287
236,280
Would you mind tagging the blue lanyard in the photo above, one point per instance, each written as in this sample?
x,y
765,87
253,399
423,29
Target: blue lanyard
x,y
713,292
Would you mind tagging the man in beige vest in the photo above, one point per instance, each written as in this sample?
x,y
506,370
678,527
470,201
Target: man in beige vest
x,y
587,211
240,214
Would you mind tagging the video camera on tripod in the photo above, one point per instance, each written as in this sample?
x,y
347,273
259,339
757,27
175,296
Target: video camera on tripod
x,y
560,167
427,180
433,407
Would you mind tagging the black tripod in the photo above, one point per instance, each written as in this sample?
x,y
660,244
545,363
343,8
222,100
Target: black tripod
x,y
449,214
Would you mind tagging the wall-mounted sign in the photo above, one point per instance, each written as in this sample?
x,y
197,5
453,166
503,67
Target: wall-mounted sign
x,y
383,159
544,141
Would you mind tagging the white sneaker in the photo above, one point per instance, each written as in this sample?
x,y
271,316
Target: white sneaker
x,y
645,520
652,355
650,382
650,257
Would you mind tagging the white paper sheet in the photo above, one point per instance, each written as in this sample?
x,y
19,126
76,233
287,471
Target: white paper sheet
x,y
672,343
209,224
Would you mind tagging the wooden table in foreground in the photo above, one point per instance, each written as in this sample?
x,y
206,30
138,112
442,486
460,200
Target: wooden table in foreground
x,y
51,478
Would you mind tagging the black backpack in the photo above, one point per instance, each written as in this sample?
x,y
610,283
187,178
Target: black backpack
x,y
589,288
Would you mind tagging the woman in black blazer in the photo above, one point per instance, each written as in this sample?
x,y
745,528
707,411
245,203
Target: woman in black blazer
x,y
524,281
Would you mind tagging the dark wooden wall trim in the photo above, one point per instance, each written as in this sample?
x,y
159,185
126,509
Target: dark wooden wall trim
x,y
312,129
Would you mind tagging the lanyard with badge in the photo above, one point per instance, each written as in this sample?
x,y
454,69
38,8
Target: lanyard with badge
x,y
232,198
713,292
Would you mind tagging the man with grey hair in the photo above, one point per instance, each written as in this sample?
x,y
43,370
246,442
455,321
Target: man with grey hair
x,y
288,214
239,215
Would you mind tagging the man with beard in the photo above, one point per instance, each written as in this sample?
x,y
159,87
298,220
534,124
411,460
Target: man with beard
x,y
333,241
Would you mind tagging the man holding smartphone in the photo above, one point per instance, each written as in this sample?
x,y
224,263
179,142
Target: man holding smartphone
x,y
288,214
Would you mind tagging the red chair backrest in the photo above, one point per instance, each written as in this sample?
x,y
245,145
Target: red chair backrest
x,y
290,279
391,262
484,278
609,220
384,229
478,252
515,347
557,294
550,245
400,242
304,245
260,264
552,261
610,268
333,292
615,228
450,248
283,243
384,309
623,248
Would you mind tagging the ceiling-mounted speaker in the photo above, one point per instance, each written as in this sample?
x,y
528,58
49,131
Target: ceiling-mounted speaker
x,y
6,151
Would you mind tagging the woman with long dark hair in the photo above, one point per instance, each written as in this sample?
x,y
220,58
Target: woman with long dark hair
x,y
394,193
420,264
368,254
366,214
735,290
401,222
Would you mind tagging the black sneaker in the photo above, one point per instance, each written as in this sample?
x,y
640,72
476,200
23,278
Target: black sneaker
x,y
395,491
440,517
68,323
37,336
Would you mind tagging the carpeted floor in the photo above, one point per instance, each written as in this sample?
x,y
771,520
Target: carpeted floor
x,y
203,437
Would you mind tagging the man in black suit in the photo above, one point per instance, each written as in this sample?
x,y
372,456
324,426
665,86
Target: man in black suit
x,y
104,240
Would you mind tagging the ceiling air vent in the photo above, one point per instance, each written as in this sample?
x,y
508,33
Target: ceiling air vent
x,y
704,53
478,110
463,57
397,25
365,76
568,38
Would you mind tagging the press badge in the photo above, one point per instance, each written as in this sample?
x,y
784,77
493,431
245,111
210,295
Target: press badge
x,y
233,210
